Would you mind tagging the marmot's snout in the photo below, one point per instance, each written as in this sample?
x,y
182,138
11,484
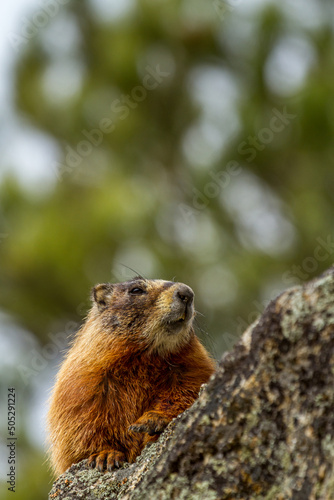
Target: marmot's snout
x,y
185,294
185,297
182,308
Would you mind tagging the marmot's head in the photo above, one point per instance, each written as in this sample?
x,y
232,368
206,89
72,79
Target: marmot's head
x,y
153,314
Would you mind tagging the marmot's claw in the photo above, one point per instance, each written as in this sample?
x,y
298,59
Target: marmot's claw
x,y
106,460
151,422
150,428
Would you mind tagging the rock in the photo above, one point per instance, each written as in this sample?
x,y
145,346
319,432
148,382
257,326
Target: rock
x,y
262,428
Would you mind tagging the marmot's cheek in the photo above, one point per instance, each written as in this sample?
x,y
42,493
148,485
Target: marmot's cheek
x,y
110,321
114,321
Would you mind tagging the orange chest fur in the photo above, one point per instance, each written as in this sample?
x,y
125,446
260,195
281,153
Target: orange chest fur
x,y
125,390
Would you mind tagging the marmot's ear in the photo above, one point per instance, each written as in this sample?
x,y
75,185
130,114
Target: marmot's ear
x,y
101,295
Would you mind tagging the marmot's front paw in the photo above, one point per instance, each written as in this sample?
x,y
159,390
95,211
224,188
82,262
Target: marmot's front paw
x,y
107,459
151,422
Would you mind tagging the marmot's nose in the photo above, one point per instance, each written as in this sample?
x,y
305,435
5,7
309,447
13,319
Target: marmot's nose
x,y
185,294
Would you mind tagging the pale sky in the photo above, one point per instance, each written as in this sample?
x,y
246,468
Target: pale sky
x,y
22,149
30,152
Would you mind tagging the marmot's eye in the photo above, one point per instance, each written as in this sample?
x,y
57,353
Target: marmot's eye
x,y
137,291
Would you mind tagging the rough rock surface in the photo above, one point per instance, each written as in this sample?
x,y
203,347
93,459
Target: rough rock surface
x,y
262,428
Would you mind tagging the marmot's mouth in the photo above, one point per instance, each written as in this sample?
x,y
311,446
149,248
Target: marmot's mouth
x,y
174,325
182,319
175,321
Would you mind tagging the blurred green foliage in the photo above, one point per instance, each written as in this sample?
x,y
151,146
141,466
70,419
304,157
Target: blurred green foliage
x,y
221,176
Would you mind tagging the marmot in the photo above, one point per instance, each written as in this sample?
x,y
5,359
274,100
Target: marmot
x,y
134,365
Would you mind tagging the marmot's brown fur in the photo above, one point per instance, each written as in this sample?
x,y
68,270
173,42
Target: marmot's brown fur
x,y
135,365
